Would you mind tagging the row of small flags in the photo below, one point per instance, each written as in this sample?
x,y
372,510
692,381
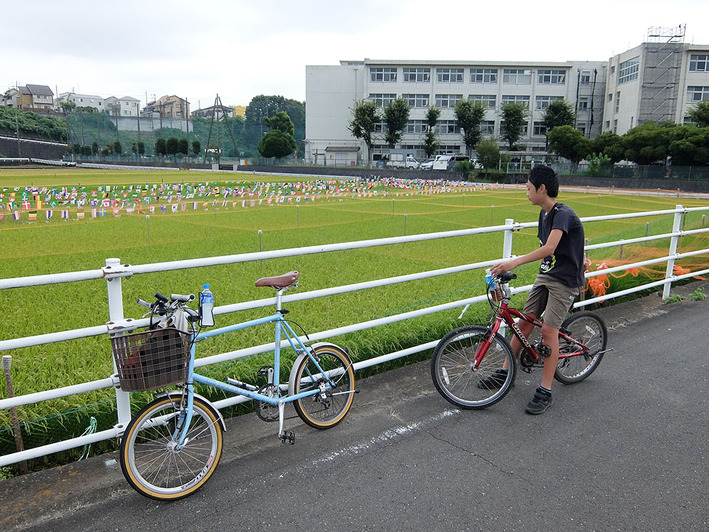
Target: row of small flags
x,y
64,214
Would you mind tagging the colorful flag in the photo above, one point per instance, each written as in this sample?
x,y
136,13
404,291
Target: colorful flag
x,y
79,215
16,215
65,215
32,216
48,214
26,205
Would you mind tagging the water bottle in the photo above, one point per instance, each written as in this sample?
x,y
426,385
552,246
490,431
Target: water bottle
x,y
206,307
488,277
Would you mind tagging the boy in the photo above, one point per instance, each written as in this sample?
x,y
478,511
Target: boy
x,y
560,278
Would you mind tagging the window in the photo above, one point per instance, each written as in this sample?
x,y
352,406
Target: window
x,y
615,126
483,75
447,100
416,101
447,127
610,96
417,75
416,126
617,102
488,100
382,74
551,77
380,127
524,100
539,129
517,76
542,102
585,77
698,63
487,127
583,103
697,94
628,70
382,100
449,75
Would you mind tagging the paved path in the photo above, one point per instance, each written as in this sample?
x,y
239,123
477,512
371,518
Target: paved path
x,y
627,449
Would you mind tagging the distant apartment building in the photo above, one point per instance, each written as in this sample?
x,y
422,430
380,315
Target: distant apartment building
x,y
659,81
125,106
30,98
216,111
167,107
331,92
82,100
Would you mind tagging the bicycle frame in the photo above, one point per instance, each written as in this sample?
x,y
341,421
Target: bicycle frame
x,y
507,314
282,329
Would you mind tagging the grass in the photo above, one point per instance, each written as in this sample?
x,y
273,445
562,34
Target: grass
x,y
62,246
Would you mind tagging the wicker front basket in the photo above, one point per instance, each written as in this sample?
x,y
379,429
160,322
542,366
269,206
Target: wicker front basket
x,y
151,359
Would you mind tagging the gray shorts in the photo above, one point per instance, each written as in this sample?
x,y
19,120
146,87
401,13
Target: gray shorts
x,y
552,297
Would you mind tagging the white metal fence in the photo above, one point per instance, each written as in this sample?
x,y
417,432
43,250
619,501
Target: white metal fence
x,y
114,272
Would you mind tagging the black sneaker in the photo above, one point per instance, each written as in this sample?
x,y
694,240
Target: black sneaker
x,y
539,403
494,381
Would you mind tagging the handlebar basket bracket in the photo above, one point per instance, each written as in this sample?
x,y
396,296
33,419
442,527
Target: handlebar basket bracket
x,y
151,359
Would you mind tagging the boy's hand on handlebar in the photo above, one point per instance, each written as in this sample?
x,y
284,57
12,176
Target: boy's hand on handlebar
x,y
502,267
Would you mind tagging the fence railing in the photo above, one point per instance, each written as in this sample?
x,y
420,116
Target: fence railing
x,y
114,272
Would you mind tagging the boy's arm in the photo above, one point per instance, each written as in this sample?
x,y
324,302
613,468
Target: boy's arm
x,y
538,254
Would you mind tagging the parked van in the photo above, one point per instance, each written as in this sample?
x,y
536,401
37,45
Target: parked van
x,y
399,160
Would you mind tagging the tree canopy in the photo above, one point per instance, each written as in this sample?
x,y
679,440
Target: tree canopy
x,y
514,118
365,117
279,141
469,115
430,139
699,113
569,143
396,116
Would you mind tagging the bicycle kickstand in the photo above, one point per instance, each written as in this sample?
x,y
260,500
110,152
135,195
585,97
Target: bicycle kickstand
x,y
286,436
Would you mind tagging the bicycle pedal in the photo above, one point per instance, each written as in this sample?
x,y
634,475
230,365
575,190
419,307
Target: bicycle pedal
x,y
263,372
288,437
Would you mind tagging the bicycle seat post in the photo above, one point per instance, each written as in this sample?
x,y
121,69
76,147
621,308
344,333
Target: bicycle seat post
x,y
279,299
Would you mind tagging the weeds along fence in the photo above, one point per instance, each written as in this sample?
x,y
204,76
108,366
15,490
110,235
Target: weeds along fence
x,y
114,272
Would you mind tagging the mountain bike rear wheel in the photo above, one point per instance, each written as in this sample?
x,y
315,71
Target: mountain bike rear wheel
x,y
590,330
152,462
452,368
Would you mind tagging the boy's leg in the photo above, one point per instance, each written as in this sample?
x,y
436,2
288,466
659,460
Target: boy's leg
x,y
550,337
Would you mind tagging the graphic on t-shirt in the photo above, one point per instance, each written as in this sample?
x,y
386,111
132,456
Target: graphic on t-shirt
x,y
547,264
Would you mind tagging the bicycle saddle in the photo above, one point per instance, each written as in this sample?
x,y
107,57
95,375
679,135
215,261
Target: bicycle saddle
x,y
280,281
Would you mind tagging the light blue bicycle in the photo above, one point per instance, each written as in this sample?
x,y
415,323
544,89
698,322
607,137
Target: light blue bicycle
x,y
172,446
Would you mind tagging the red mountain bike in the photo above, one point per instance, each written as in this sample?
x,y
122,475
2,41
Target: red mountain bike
x,y
466,362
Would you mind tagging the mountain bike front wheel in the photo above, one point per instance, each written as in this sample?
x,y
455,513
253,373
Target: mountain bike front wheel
x,y
452,368
330,404
589,329
152,462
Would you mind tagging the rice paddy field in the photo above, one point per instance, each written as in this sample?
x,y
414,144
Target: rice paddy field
x,y
251,213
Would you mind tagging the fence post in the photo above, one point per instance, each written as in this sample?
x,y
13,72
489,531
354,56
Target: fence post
x,y
115,313
673,250
507,244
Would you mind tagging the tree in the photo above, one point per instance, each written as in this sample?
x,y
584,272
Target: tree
x,y
160,147
569,143
183,147
279,141
396,116
648,142
262,107
430,140
488,154
171,146
469,115
514,118
117,148
689,145
609,144
196,147
558,113
141,148
365,117
699,113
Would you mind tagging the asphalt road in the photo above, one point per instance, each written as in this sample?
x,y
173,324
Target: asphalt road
x,y
624,450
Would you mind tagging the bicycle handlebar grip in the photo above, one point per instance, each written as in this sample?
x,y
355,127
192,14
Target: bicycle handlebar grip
x,y
143,303
160,297
181,298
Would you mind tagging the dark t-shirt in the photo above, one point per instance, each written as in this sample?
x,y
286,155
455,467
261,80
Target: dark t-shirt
x,y
566,264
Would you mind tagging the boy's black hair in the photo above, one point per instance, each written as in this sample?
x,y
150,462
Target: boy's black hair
x,y
545,175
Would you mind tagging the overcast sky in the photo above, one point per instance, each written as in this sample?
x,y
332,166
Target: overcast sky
x,y
240,49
